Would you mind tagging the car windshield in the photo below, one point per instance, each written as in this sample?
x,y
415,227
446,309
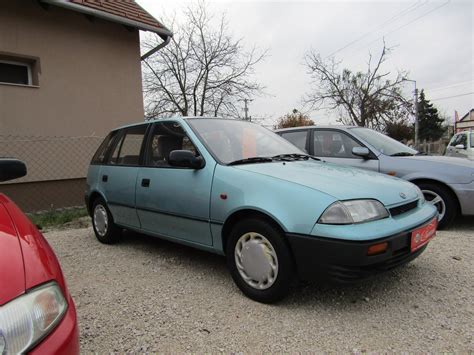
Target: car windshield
x,y
234,140
383,143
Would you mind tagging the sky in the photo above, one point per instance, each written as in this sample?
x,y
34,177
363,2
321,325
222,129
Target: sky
x,y
432,40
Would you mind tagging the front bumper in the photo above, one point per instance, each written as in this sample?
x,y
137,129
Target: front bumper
x,y
344,261
64,339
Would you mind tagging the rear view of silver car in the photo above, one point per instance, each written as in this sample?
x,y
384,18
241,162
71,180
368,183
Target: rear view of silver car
x,y
446,182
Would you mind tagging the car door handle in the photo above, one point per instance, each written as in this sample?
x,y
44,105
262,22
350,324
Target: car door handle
x,y
105,178
145,182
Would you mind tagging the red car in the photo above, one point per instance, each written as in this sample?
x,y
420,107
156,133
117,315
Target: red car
x,y
37,313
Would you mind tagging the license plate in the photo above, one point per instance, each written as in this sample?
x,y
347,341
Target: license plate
x,y
423,235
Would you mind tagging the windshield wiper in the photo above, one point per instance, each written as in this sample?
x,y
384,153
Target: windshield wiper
x,y
251,160
402,154
294,156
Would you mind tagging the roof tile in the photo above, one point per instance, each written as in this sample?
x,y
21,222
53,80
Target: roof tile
x,y
124,8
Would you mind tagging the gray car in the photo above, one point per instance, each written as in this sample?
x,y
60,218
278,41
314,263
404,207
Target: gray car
x,y
446,182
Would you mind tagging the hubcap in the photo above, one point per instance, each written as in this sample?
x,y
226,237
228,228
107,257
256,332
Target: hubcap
x,y
100,220
256,260
436,200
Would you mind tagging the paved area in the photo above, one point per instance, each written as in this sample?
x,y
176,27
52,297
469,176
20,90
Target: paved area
x,y
145,295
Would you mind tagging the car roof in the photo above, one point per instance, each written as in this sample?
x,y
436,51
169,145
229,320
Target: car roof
x,y
173,119
343,127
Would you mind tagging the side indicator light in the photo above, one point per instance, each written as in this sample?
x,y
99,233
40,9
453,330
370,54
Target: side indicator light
x,y
392,173
223,196
377,248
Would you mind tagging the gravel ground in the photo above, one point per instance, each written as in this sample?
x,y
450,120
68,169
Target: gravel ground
x,y
145,295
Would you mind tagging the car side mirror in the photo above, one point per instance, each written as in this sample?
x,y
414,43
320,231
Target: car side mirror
x,y
11,169
460,146
185,159
362,152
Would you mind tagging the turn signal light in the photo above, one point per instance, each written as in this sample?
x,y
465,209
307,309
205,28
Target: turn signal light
x,y
377,248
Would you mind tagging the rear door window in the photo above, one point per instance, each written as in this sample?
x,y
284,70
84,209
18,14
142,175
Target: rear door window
x,y
298,138
128,147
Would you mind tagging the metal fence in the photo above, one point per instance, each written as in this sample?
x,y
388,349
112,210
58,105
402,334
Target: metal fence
x,y
57,167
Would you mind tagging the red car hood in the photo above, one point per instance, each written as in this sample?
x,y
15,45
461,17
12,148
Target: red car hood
x,y
26,259
12,276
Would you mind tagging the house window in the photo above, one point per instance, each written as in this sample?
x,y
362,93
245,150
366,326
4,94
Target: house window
x,y
15,73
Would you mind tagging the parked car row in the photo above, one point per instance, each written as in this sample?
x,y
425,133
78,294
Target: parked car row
x,y
446,182
276,212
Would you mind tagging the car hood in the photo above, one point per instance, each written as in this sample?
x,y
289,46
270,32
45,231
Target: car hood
x,y
450,170
26,259
442,160
12,275
343,183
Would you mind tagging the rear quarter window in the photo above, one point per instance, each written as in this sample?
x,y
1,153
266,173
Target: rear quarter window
x,y
100,154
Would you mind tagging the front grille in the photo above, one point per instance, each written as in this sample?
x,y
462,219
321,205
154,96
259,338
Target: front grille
x,y
396,211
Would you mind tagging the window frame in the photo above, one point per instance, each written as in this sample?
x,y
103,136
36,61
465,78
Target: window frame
x,y
29,71
371,155
145,163
307,130
118,138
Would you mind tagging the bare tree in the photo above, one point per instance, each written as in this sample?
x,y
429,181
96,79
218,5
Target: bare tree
x,y
368,99
202,71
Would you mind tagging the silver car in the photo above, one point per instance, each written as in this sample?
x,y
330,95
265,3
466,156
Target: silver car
x,y
446,182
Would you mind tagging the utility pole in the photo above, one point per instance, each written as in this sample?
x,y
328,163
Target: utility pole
x,y
246,109
416,114
416,117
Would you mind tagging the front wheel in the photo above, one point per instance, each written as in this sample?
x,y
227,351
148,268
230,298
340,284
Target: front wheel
x,y
444,201
259,260
104,227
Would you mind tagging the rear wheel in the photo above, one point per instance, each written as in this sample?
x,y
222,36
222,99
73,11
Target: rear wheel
x,y
444,201
259,260
104,227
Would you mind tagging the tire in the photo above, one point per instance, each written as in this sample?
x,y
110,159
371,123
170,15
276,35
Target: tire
x,y
447,205
102,221
259,260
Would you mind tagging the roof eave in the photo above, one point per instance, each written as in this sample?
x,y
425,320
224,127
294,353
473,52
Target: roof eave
x,y
110,17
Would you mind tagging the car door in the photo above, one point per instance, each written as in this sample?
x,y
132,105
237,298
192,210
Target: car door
x,y
335,146
298,138
118,176
171,201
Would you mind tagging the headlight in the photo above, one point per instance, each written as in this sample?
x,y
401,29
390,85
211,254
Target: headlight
x,y
353,211
30,317
421,197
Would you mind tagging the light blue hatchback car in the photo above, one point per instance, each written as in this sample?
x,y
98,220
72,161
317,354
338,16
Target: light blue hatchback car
x,y
237,189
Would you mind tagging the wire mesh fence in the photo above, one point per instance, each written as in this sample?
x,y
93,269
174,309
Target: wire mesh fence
x,y
57,167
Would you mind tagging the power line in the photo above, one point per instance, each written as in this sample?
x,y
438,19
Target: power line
x,y
408,23
450,97
390,20
450,85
